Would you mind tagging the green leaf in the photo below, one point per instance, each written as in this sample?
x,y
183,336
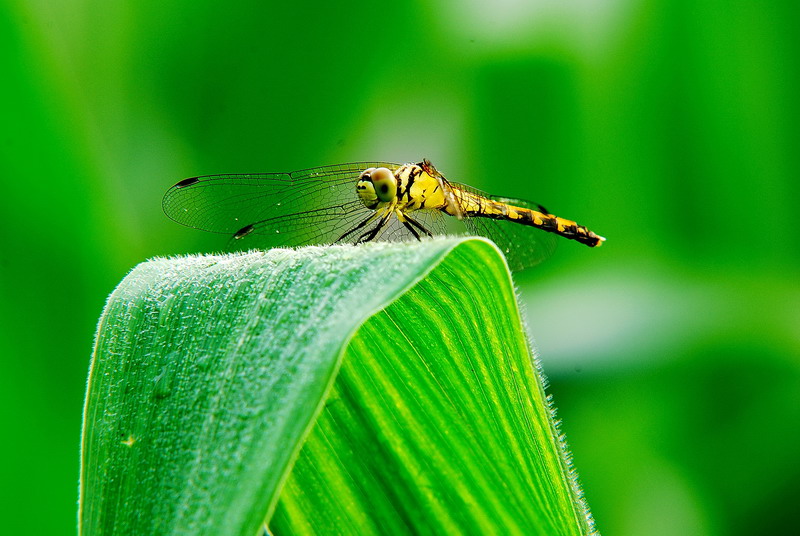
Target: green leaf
x,y
401,370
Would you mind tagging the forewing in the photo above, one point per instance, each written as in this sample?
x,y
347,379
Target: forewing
x,y
272,209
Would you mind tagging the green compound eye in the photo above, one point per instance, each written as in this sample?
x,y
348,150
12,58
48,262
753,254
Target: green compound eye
x,y
385,184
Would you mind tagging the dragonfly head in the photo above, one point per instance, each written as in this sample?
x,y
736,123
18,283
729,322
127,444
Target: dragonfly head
x,y
376,186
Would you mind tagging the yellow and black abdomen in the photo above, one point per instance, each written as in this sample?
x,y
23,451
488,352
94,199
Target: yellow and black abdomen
x,y
475,206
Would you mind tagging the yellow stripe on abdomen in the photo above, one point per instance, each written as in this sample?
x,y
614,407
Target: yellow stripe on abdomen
x,y
481,207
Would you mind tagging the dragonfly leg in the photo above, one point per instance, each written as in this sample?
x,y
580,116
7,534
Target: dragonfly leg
x,y
418,225
404,220
411,229
370,235
357,227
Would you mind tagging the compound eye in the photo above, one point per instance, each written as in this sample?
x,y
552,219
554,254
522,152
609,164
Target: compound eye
x,y
385,184
366,173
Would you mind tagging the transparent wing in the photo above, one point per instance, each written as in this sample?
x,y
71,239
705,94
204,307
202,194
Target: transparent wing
x,y
524,246
310,206
319,205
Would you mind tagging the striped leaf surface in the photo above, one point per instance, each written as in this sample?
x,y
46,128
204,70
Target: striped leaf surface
x,y
378,389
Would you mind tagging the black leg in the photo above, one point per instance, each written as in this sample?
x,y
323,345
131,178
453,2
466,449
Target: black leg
x,y
418,225
370,235
356,228
413,231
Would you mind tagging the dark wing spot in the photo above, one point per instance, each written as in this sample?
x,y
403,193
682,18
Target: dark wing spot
x,y
244,231
187,182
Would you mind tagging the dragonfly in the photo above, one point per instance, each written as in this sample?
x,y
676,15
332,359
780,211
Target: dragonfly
x,y
361,202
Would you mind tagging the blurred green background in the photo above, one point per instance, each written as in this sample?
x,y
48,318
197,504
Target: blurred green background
x,y
669,127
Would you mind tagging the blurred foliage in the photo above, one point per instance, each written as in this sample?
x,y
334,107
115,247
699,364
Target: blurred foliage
x,y
669,127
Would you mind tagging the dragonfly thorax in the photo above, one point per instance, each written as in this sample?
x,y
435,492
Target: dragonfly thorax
x,y
376,186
